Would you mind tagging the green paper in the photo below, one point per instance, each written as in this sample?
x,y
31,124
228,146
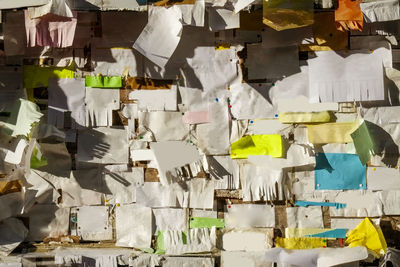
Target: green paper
x,y
103,82
36,76
363,143
160,243
203,222
37,159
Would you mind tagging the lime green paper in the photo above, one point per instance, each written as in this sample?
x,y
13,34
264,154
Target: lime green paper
x,y
203,222
36,76
37,159
268,144
160,243
363,143
103,82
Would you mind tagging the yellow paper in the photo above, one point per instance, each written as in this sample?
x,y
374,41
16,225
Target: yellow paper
x,y
268,144
36,76
300,242
302,232
304,117
368,235
331,132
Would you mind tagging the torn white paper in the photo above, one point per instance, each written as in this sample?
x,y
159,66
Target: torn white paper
x,y
299,217
99,104
155,100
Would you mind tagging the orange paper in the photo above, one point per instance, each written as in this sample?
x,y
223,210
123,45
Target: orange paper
x,y
348,15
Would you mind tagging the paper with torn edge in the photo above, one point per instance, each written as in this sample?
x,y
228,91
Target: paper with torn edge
x,y
155,100
50,30
325,133
364,142
349,223
103,145
170,219
301,104
222,19
299,217
241,4
193,117
9,97
382,45
15,157
348,16
103,81
224,171
292,257
193,14
5,4
47,221
322,204
386,10
305,117
390,203
91,256
296,155
188,262
380,178
335,233
197,240
381,115
67,103
271,63
336,171
122,184
270,144
36,76
164,26
135,5
259,182
204,222
170,168
56,7
251,101
303,232
12,232
133,226
244,258
359,203
93,223
285,14
336,256
99,106
249,216
300,242
344,77
39,190
23,115
162,126
368,235
248,240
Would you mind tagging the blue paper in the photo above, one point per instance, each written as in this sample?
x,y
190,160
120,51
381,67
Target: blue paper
x,y
336,233
337,171
325,204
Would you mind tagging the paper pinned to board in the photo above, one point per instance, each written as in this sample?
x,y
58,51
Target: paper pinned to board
x,y
249,216
359,203
36,76
171,219
364,143
193,14
337,76
326,133
386,10
204,222
270,144
156,100
301,104
248,240
164,26
380,178
93,223
244,258
56,7
336,171
100,104
322,204
193,117
299,217
389,199
103,81
224,171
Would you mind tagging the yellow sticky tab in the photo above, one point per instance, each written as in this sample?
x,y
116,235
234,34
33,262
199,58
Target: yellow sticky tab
x,y
222,46
36,76
268,144
331,132
304,117
300,243
368,235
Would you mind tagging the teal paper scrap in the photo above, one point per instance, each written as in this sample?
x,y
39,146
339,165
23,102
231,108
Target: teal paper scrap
x,y
325,204
336,233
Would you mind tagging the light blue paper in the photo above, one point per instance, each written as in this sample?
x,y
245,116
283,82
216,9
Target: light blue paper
x,y
325,204
336,233
337,171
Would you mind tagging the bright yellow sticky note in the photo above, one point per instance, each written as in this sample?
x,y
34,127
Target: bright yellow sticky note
x,y
304,117
368,235
331,132
267,144
37,76
300,243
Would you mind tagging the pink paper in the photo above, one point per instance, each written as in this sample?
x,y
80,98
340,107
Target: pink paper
x,y
198,117
50,30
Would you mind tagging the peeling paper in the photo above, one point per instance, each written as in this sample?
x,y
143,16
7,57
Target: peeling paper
x,y
249,216
47,221
386,10
99,104
164,25
247,240
155,100
244,258
101,257
197,240
390,201
103,145
93,223
56,7
12,232
193,15
224,171
299,217
170,219
162,126
381,115
358,204
133,226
